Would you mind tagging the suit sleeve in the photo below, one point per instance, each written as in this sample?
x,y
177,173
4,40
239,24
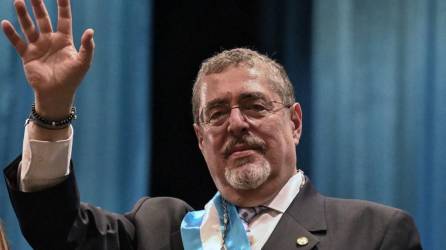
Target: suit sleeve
x,y
401,233
54,218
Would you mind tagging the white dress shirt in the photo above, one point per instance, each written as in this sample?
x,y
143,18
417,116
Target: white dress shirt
x,y
262,226
44,164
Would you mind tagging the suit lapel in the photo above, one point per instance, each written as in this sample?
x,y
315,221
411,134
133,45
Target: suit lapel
x,y
286,234
304,216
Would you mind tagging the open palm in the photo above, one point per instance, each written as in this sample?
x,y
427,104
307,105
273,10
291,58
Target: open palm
x,y
53,66
52,63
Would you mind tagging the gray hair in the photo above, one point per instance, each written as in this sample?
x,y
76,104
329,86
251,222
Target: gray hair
x,y
218,63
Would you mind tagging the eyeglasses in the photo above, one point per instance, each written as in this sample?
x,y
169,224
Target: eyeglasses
x,y
217,115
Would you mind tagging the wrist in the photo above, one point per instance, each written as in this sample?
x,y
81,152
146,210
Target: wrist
x,y
47,123
52,109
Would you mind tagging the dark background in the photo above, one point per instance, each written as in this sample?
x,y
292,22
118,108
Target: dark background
x,y
185,35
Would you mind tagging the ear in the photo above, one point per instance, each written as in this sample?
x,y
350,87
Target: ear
x,y
199,134
296,121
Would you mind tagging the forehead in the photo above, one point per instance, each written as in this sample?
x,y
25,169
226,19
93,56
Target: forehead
x,y
234,82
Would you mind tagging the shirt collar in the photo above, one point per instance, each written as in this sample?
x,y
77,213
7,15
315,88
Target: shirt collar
x,y
286,195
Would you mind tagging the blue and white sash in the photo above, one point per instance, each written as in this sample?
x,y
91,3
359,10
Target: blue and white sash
x,y
204,229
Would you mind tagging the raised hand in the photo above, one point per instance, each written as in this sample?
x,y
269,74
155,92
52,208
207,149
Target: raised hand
x,y
53,66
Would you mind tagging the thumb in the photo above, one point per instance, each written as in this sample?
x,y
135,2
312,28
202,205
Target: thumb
x,y
87,47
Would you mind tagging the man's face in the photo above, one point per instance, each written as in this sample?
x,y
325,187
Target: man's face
x,y
250,154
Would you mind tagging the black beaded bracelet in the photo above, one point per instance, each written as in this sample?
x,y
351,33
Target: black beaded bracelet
x,y
48,124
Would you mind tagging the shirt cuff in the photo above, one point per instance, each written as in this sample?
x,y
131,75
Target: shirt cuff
x,y
44,164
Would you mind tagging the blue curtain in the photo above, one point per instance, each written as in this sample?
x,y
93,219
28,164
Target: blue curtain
x,y
379,106
111,145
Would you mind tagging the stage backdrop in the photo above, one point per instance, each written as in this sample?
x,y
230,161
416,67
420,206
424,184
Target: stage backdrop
x,y
379,106
112,130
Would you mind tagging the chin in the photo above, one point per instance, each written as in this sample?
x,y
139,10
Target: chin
x,y
246,175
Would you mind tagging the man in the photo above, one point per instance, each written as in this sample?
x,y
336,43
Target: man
x,y
247,125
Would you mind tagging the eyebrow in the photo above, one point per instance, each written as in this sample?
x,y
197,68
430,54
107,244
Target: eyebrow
x,y
243,97
252,96
216,102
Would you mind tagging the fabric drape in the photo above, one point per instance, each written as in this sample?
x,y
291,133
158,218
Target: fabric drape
x,y
112,133
379,106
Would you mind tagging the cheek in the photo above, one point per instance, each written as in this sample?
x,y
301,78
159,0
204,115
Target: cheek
x,y
274,134
212,143
212,146
214,159
278,139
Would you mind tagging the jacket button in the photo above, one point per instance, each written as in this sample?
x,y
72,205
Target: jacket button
x,y
302,241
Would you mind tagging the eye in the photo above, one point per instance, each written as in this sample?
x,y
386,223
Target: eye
x,y
256,107
216,114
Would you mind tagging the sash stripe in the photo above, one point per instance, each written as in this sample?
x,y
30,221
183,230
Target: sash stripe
x,y
203,223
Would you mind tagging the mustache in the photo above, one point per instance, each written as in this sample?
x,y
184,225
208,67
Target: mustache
x,y
248,141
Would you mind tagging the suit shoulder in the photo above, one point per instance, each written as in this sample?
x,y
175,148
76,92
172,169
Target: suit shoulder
x,y
360,204
392,227
160,209
351,206
360,210
157,221
165,203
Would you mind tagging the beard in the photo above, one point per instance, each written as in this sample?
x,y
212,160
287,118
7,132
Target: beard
x,y
247,174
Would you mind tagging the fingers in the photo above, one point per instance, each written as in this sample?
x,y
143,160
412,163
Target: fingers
x,y
25,21
64,19
13,37
41,14
87,47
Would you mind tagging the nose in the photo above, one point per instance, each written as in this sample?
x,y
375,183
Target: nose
x,y
237,122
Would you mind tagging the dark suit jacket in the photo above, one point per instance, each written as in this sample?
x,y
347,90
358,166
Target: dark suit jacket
x,y
55,219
